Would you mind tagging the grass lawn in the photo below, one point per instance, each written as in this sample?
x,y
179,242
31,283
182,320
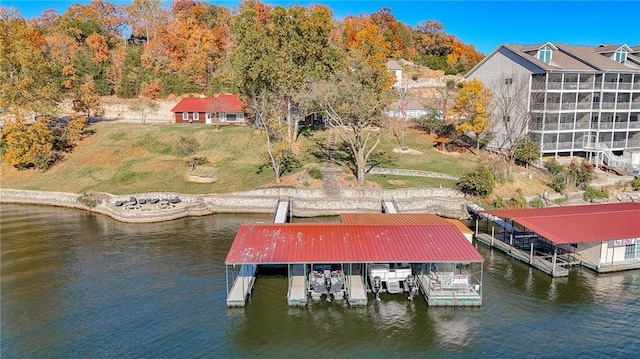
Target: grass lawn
x,y
123,158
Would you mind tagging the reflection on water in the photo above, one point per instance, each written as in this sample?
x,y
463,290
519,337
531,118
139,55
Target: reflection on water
x,y
80,285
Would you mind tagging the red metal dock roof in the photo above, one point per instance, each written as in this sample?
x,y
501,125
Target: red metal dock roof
x,y
401,218
341,243
578,224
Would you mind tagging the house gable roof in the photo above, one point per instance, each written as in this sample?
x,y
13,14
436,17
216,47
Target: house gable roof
x,y
227,103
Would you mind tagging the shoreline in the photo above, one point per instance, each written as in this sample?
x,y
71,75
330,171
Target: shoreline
x,y
307,203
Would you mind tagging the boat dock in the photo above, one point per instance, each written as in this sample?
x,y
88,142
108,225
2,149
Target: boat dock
x,y
242,286
553,267
244,281
356,293
436,292
297,286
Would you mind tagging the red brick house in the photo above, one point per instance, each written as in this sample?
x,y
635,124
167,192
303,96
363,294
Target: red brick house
x,y
223,108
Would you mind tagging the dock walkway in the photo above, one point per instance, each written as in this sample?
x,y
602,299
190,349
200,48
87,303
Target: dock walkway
x,y
535,261
357,295
297,290
282,212
242,286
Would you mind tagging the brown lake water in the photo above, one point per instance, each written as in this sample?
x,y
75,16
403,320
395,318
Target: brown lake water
x,y
77,285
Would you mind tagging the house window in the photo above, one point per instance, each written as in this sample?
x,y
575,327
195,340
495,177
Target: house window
x,y
620,55
231,117
195,116
185,116
508,81
544,54
208,116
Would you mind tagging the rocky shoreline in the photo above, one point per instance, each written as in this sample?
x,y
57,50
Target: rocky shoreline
x,y
306,203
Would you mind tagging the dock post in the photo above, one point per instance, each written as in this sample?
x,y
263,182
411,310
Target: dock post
x,y
531,255
477,226
553,270
493,230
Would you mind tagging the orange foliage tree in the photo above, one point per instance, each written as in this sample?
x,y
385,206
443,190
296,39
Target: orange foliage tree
x,y
471,112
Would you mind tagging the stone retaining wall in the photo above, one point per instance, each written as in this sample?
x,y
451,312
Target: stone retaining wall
x,y
306,202
412,173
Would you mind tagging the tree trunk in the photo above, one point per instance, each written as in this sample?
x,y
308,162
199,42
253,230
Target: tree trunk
x,y
360,169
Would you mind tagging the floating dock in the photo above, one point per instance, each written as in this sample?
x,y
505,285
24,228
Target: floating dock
x,y
357,295
542,263
242,286
389,207
297,286
437,294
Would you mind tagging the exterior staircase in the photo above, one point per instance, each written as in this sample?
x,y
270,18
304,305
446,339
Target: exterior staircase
x,y
330,173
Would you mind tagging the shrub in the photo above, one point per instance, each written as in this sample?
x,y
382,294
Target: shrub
x,y
635,183
479,182
499,203
315,173
518,200
536,203
592,194
87,200
526,151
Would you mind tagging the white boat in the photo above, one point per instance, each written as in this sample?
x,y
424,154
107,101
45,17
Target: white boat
x,y
392,278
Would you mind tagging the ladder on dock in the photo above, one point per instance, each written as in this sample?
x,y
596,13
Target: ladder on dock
x,y
242,286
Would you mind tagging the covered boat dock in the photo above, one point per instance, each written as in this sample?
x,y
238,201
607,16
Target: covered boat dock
x,y
437,254
602,237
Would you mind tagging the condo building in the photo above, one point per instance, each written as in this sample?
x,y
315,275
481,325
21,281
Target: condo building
x,y
571,100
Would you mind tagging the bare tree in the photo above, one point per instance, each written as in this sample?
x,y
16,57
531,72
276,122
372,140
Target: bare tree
x,y
511,114
354,105
143,108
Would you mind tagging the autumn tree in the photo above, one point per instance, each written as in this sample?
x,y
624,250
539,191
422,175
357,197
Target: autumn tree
x,y
471,111
26,71
353,105
26,144
87,100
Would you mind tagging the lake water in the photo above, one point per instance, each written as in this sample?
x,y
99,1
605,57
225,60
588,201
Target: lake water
x,y
77,285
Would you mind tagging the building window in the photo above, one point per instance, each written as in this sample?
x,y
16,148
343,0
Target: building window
x,y
185,116
195,116
506,118
630,251
620,55
231,117
508,81
544,54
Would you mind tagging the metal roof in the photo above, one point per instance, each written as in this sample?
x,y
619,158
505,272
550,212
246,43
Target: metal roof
x,y
578,224
341,243
228,103
401,218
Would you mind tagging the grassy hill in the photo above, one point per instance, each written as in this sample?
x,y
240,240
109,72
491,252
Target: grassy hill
x,y
125,158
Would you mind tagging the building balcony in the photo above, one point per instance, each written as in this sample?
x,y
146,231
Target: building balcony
x,y
634,125
636,85
623,106
582,125
610,85
537,85
554,86
583,106
624,86
633,144
606,125
635,105
585,86
568,106
553,106
570,86
608,105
